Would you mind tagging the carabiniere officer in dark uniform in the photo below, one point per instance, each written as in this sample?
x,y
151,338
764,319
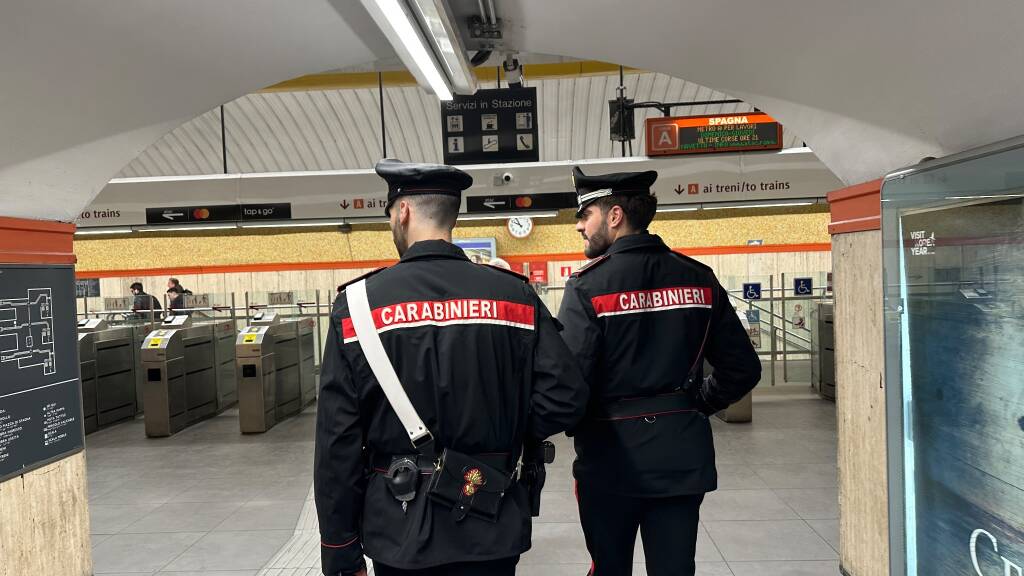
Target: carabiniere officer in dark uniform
x,y
482,363
641,319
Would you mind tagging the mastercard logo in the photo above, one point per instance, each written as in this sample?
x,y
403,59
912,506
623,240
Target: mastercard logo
x,y
200,213
524,202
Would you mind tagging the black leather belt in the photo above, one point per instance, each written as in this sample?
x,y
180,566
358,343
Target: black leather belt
x,y
645,407
426,462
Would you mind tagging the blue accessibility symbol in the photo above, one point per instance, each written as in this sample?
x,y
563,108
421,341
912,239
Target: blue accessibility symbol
x,y
803,286
752,291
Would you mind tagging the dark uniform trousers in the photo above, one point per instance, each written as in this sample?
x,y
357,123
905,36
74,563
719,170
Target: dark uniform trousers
x,y
641,320
503,567
668,527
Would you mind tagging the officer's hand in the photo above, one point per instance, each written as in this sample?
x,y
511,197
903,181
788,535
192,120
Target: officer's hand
x,y
361,572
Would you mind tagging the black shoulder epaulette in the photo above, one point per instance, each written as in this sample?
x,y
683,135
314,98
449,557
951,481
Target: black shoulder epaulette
x,y
363,277
695,262
589,266
522,277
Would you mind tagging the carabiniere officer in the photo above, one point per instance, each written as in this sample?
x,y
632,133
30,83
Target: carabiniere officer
x,y
481,361
642,319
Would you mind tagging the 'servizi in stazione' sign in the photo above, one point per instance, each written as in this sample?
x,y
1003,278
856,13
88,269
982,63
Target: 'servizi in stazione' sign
x,y
716,133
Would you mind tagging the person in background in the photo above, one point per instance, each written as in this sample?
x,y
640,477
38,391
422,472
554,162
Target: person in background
x,y
175,295
143,301
500,263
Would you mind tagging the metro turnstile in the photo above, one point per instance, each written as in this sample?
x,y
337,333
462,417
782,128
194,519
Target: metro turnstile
x,y
275,369
108,365
823,350
257,387
189,373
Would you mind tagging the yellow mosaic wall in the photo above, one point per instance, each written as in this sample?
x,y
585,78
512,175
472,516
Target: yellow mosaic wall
x,y
707,228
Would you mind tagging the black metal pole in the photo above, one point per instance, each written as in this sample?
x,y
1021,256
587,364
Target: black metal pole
x,y
622,107
223,139
497,76
383,133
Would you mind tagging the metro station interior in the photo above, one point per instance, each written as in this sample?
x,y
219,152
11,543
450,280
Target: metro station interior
x,y
185,187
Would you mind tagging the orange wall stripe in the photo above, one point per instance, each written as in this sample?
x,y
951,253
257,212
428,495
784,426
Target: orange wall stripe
x,y
856,208
348,265
36,242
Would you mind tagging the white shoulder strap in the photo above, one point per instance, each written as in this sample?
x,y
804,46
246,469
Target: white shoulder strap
x,y
380,364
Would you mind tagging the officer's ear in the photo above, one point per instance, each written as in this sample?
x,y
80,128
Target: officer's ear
x,y
615,216
404,211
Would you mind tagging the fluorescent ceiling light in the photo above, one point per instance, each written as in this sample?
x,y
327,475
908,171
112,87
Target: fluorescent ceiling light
x,y
295,224
186,228
394,19
368,220
97,231
762,205
671,208
444,36
508,215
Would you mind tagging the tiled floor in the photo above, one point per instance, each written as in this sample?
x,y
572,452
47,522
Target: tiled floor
x,y
209,501
206,501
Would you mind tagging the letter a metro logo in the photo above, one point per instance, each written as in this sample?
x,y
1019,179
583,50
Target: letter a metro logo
x,y
665,137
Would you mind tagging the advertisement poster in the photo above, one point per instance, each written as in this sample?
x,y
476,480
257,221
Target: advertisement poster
x,y
964,268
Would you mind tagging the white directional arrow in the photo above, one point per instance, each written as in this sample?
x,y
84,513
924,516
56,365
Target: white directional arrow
x,y
172,215
492,204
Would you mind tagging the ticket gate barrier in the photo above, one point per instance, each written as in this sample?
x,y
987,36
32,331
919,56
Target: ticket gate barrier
x,y
108,364
257,387
276,370
823,350
190,373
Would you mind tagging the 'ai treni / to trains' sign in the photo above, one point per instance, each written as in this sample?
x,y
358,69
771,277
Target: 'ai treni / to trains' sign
x,y
717,133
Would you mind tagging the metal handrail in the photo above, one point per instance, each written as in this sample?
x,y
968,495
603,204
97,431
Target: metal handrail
x,y
778,317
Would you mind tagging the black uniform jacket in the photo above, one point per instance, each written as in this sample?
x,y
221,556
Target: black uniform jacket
x,y
482,362
639,319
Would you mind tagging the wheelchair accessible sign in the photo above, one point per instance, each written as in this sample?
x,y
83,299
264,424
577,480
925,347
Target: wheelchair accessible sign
x,y
752,291
803,286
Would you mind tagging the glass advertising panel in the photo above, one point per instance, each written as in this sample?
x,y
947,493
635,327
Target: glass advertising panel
x,y
953,241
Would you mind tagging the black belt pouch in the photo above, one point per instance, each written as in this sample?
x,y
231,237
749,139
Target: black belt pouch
x,y
467,486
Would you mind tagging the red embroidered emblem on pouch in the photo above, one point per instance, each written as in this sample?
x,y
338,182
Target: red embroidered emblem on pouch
x,y
474,479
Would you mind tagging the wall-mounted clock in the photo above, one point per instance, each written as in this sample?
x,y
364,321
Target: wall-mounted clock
x,y
520,226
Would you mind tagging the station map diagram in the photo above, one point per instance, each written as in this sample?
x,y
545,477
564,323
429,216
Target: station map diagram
x,y
26,332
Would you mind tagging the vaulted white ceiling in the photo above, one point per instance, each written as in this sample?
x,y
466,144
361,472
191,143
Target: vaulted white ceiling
x,y
871,85
341,129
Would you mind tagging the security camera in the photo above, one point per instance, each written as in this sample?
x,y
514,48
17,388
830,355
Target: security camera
x,y
507,177
513,71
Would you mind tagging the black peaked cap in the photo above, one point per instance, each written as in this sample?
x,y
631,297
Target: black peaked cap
x,y
410,179
590,188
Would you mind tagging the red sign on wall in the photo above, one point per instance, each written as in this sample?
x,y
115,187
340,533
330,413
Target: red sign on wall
x,y
539,272
565,271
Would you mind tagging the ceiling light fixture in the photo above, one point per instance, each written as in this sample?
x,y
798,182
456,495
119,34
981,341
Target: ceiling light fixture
x,y
507,215
98,231
427,42
186,228
761,205
293,224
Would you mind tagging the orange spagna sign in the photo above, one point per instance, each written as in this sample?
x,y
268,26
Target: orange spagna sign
x,y
715,133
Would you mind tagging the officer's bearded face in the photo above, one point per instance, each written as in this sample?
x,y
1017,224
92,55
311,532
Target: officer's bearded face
x,y
593,226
